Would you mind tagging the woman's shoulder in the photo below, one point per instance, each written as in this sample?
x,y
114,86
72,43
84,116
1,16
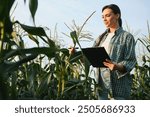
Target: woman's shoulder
x,y
127,33
128,37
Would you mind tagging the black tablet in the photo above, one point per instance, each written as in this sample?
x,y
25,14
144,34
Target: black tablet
x,y
96,56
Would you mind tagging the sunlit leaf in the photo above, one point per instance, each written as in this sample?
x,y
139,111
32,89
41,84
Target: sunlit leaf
x,y
33,39
74,37
39,31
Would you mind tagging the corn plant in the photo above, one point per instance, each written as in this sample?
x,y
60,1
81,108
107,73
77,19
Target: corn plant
x,y
24,74
14,57
141,79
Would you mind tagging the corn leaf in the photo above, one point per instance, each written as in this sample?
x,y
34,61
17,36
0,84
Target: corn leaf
x,y
33,5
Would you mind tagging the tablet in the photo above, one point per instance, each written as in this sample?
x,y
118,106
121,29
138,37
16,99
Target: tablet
x,y
96,56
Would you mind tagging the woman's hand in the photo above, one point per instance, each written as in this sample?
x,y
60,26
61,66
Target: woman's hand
x,y
110,64
72,50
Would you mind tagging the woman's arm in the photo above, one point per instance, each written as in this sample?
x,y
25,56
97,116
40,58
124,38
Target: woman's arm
x,y
113,66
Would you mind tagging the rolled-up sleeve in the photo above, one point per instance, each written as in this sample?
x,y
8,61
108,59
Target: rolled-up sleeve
x,y
129,60
129,55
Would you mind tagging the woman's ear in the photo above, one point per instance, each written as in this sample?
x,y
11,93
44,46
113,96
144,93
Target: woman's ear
x,y
118,16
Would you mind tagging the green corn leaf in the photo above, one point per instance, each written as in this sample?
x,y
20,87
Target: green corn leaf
x,y
50,52
25,1
39,31
7,67
5,7
33,39
74,37
76,56
33,5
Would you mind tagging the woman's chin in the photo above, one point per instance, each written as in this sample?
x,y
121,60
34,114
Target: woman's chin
x,y
107,26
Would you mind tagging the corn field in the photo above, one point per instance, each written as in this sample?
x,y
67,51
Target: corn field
x,y
49,72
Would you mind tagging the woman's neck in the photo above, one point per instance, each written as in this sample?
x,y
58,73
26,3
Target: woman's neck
x,y
113,29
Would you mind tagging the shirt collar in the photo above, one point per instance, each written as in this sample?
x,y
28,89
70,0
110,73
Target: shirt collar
x,y
117,31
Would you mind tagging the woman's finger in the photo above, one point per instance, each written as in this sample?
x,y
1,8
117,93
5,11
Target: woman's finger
x,y
108,61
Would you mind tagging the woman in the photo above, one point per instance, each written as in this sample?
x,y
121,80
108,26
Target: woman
x,y
115,80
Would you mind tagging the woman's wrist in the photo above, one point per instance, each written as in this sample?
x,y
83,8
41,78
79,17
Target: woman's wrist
x,y
120,68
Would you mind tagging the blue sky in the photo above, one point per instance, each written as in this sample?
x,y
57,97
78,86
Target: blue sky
x,y
135,13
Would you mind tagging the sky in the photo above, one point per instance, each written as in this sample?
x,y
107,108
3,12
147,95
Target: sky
x,y
135,14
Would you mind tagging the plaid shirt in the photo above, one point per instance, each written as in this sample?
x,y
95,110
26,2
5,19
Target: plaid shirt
x,y
122,51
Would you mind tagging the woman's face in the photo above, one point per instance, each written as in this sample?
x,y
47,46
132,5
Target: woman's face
x,y
110,19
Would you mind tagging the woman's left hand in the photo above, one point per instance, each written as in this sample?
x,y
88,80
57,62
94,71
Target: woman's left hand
x,y
110,64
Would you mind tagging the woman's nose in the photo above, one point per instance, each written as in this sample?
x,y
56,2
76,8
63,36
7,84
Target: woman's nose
x,y
104,19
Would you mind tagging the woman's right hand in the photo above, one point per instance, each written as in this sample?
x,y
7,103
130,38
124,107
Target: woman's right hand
x,y
72,50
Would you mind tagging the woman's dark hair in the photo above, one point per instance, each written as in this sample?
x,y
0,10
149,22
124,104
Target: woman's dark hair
x,y
116,10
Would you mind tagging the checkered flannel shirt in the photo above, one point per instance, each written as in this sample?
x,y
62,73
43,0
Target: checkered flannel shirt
x,y
122,51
